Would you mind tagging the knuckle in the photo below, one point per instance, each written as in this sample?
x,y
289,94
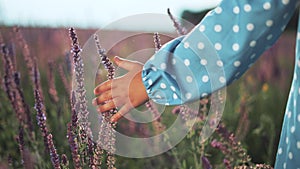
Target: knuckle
x,y
96,90
108,106
118,102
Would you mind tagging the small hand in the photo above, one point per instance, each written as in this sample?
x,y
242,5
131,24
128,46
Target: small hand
x,y
125,92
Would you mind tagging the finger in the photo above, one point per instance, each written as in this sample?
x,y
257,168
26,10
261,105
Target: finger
x,y
125,64
102,98
106,107
103,87
119,101
124,110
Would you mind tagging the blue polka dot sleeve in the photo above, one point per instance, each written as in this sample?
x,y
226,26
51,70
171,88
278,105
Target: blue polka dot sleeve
x,y
217,51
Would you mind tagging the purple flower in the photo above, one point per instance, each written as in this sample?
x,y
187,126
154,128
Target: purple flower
x,y
205,163
227,163
157,43
180,30
106,132
53,154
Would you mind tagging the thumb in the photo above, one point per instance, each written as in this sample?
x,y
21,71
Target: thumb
x,y
124,63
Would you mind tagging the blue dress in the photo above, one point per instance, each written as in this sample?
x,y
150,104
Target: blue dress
x,y
218,51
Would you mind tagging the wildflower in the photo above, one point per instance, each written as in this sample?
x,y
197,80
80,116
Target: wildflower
x,y
9,84
230,147
63,78
41,118
91,147
68,62
20,140
176,110
98,155
157,43
205,163
64,161
180,30
74,147
29,59
227,163
80,92
107,131
220,146
53,154
263,166
104,59
14,91
52,89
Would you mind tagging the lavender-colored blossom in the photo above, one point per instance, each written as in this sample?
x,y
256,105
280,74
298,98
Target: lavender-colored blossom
x,y
91,147
205,163
106,132
263,166
176,110
230,147
157,125
227,163
98,155
219,145
187,113
180,30
104,59
68,63
64,161
157,43
30,60
23,106
41,118
223,131
74,115
51,81
79,78
14,91
63,78
8,72
20,140
81,102
53,154
72,139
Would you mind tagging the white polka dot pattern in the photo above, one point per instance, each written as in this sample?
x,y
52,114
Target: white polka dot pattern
x,y
250,26
205,78
247,8
203,62
201,45
236,28
236,10
237,32
267,5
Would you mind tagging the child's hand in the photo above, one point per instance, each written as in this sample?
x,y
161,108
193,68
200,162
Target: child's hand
x,y
125,92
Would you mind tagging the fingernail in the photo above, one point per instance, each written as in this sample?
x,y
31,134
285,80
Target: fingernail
x,y
112,120
94,102
117,59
